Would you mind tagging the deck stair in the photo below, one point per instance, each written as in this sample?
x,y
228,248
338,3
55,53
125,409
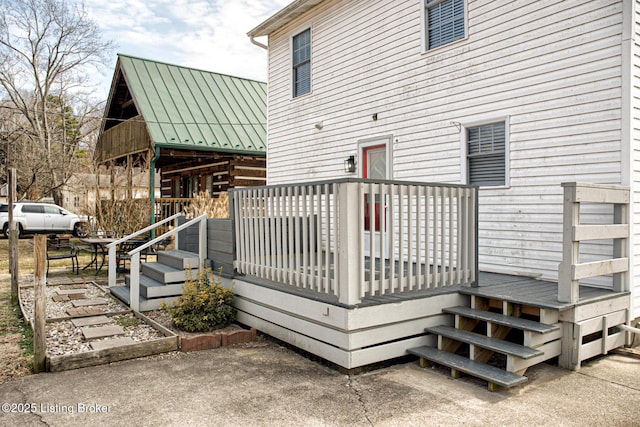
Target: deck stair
x,y
160,281
494,340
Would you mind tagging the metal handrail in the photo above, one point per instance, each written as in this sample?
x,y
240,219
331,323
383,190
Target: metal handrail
x,y
144,230
167,234
113,245
134,282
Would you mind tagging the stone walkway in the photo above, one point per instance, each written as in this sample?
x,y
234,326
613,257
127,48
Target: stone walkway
x,y
83,317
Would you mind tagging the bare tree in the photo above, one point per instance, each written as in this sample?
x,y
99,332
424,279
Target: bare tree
x,y
46,50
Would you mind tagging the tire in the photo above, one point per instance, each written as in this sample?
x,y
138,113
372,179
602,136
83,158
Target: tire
x,y
80,230
5,230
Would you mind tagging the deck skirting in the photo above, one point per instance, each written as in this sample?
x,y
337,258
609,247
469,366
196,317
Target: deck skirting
x,y
347,336
354,336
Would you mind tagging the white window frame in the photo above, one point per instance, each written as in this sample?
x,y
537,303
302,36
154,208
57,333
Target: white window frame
x,y
291,64
423,27
464,160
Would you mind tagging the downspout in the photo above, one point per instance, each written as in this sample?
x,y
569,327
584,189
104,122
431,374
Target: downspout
x,y
152,189
257,43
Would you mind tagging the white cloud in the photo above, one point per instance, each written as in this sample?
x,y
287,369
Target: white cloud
x,y
204,34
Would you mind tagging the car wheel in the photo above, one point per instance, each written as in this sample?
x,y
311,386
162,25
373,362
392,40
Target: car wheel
x,y
80,230
5,230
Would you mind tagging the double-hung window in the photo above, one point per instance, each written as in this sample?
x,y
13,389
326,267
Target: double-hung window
x,y
486,154
302,63
444,22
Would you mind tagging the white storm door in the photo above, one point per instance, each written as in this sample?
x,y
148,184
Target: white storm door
x,y
375,165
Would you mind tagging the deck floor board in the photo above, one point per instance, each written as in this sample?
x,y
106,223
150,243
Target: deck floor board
x,y
517,289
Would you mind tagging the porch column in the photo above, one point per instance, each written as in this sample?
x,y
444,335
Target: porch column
x,y
348,238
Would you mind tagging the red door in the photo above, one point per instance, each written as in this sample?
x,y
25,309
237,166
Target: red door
x,y
374,167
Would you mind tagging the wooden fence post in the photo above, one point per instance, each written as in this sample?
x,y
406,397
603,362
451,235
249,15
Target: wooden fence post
x,y
39,318
13,237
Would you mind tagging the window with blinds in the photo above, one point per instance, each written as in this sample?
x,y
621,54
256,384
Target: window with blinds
x,y
302,63
445,22
486,154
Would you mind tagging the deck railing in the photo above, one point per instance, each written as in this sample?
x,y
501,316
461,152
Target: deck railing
x,y
571,270
356,238
167,207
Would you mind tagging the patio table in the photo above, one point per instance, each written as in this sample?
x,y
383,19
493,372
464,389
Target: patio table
x,y
98,249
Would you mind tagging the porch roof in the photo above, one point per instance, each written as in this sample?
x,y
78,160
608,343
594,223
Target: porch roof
x,y
186,108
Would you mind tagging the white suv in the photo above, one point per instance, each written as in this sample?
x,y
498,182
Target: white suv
x,y
33,217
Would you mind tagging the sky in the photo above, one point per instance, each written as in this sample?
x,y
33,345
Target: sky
x,y
205,34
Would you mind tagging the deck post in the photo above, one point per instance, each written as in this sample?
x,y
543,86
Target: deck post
x,y
350,220
202,241
620,249
134,282
568,289
112,266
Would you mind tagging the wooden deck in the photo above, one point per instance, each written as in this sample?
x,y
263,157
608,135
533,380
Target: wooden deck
x,y
529,291
516,289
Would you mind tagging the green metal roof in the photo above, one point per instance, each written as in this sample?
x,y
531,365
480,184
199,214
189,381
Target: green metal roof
x,y
185,108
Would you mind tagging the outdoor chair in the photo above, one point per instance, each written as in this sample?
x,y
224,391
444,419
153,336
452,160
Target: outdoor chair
x,y
122,254
61,249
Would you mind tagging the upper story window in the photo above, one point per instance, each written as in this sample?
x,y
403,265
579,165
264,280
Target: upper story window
x,y
486,154
302,63
445,22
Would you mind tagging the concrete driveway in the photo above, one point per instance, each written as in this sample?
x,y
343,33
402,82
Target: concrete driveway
x,y
266,384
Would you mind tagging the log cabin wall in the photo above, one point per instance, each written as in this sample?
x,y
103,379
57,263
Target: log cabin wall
x,y
187,178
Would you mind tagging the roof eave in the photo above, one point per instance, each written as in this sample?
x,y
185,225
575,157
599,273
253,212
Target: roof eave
x,y
283,17
208,148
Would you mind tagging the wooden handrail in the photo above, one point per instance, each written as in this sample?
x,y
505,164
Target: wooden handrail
x,y
571,270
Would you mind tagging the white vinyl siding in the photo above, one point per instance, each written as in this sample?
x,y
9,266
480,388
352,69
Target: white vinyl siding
x,y
552,67
486,149
444,21
301,58
635,157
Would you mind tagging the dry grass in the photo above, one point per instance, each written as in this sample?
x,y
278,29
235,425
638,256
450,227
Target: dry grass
x,y
214,207
15,336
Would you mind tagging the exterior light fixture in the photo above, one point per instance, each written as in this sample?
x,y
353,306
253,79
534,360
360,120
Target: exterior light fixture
x,y
350,164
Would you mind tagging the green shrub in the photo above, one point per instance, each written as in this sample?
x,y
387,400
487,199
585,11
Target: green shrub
x,y
204,305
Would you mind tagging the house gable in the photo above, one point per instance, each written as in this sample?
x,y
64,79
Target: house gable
x,y
189,109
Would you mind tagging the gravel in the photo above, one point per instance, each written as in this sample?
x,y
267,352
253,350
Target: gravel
x,y
63,338
58,310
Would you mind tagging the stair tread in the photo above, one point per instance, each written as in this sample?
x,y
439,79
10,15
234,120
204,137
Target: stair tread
x,y
501,319
489,343
122,293
144,281
471,367
151,288
157,266
180,252
149,282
